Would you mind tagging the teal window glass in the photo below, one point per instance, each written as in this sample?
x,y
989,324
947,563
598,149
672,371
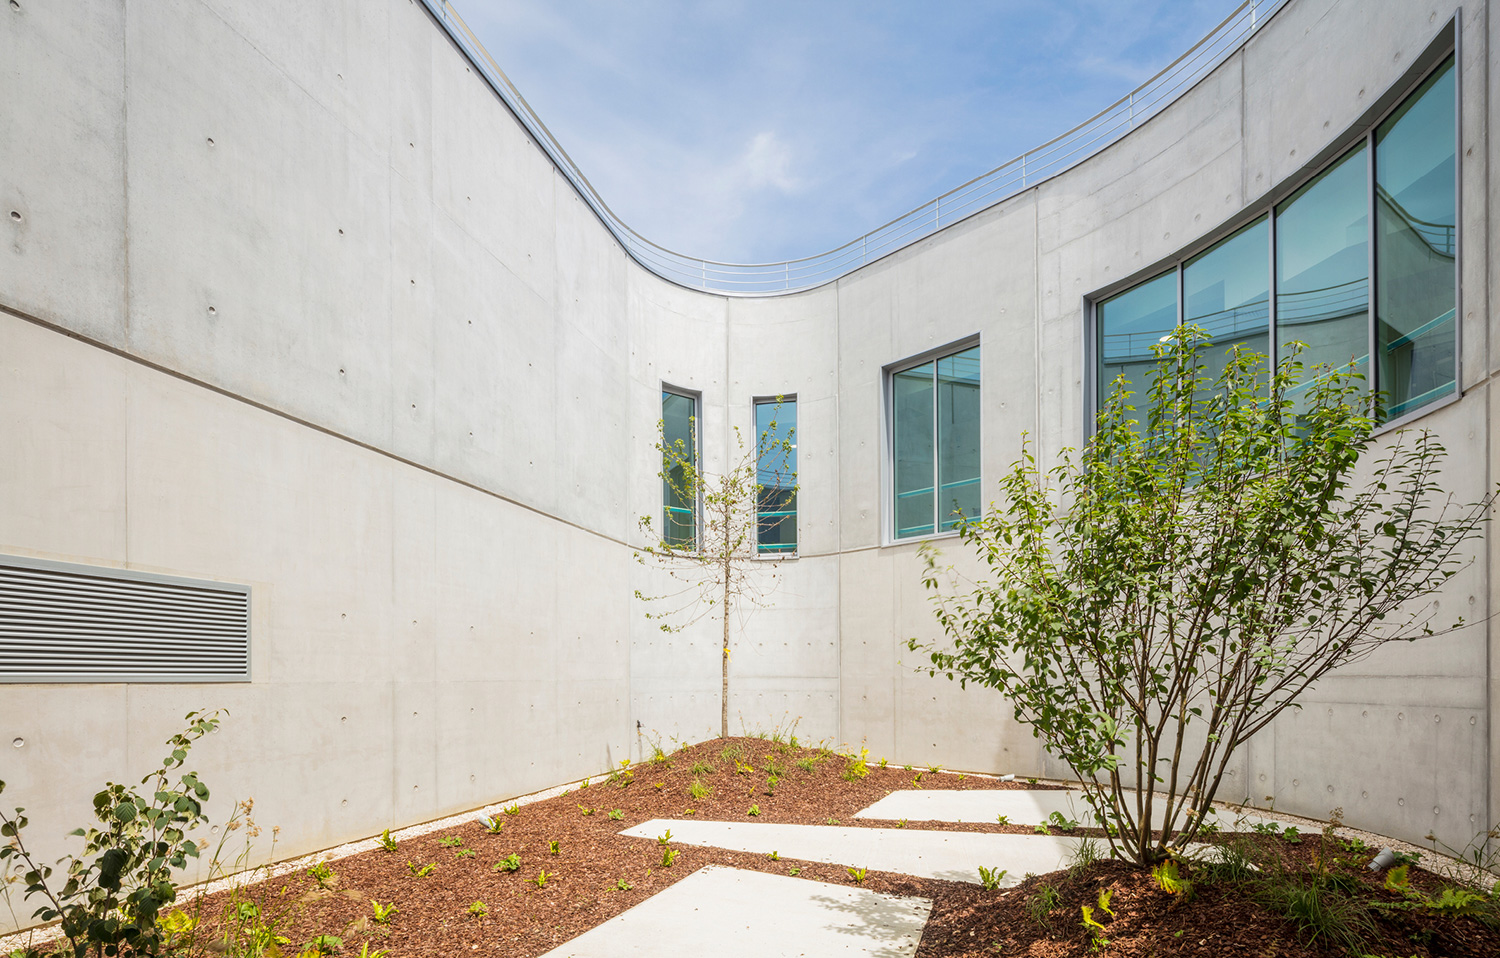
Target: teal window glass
x,y
1227,291
1129,325
958,438
913,393
776,477
679,429
1323,271
1416,274
935,419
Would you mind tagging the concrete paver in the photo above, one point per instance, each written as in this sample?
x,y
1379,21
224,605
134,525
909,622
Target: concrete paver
x,y
1020,806
951,856
734,913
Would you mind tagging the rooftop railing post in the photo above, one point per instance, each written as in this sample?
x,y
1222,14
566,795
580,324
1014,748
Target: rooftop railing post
x,y
938,215
1132,109
1023,170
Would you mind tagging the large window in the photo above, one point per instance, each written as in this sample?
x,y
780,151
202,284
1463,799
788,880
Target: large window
x,y
935,439
1321,263
679,431
776,476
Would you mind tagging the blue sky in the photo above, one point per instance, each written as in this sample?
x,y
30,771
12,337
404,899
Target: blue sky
x,y
767,130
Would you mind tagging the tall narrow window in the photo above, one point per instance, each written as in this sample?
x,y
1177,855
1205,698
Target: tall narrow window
x,y
1415,247
1323,269
1129,325
776,475
679,430
935,439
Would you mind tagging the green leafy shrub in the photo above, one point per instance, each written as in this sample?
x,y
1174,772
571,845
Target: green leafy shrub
x,y
116,890
383,913
386,841
509,863
991,878
1250,471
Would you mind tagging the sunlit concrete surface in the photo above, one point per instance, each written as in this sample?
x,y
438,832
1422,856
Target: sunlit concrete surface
x,y
1021,807
735,913
950,856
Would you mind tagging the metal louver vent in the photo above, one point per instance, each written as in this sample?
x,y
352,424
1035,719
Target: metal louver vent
x,y
72,623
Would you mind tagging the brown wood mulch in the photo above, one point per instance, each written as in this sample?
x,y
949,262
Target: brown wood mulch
x,y
594,874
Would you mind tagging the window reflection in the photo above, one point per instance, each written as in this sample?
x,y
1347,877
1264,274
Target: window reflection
x,y
1129,325
1415,247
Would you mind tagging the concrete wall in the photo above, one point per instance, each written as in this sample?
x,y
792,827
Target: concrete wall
x,y
292,300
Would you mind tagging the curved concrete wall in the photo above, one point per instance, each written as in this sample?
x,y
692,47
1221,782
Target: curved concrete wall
x,y
293,301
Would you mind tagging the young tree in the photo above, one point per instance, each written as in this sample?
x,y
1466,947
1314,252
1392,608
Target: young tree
x,y
1181,581
717,560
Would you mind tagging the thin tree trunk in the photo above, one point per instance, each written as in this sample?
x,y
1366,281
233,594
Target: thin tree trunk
x,y
724,687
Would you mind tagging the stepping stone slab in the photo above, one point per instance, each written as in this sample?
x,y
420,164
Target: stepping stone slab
x,y
1019,806
950,856
734,913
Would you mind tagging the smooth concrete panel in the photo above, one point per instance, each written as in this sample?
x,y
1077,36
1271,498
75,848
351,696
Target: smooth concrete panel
x,y
489,177
1316,67
62,165
1400,768
255,259
62,424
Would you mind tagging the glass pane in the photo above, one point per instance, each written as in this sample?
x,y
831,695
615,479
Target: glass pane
x,y
912,400
679,416
958,438
1129,325
1415,243
776,475
1322,269
1227,291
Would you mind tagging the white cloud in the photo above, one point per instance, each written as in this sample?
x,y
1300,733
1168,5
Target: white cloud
x,y
768,162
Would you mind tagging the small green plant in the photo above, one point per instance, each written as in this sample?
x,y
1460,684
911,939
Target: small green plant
x,y
832,820
553,848
623,885
731,753
478,909
793,870
901,823
856,768
322,874
1039,906
775,856
450,841
583,784
1002,819
421,871
325,945
585,810
664,840
1266,828
658,785
1094,928
541,878
1061,822
1085,853
1397,878
990,878
906,768
386,841
509,863
492,825
1042,830
383,913
699,790
365,952
1169,880
806,764
1291,835
700,767
668,856
882,761
689,811
771,782
1031,781
513,808
616,815
916,780
858,874
463,853
934,769
754,811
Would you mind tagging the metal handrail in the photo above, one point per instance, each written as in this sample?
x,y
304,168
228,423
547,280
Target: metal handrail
x,y
1024,172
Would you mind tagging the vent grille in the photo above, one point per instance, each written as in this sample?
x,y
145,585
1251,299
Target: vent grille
x,y
70,623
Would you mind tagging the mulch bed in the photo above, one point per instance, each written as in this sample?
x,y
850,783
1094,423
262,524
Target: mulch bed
x,y
595,874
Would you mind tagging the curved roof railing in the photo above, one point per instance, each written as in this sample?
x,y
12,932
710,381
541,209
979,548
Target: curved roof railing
x,y
1004,181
